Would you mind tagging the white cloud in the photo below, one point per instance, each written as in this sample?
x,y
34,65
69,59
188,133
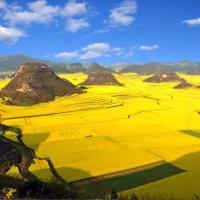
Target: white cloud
x,y
41,12
98,47
73,14
123,14
74,25
73,8
192,22
38,12
103,30
10,35
91,51
148,48
129,53
68,55
117,51
95,50
2,4
103,49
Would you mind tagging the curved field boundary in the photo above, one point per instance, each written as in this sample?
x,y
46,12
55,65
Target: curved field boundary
x,y
131,178
125,96
155,110
69,111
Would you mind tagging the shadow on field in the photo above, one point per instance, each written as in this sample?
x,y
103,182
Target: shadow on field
x,y
189,162
135,179
68,173
186,163
32,140
194,133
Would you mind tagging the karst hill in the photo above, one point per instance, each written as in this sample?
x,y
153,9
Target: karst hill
x,y
163,77
35,83
99,75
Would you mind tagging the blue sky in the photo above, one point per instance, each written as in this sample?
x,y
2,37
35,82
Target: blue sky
x,y
106,31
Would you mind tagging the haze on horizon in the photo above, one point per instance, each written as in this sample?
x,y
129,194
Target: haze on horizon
x,y
113,31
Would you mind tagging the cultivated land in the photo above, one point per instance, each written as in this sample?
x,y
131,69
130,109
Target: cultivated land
x,y
113,128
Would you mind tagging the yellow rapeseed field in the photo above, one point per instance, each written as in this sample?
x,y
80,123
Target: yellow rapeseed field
x,y
128,126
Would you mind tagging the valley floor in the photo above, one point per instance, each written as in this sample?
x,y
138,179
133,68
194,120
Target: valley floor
x,y
114,128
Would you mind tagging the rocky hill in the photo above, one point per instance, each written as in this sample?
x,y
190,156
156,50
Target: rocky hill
x,y
101,78
34,83
60,68
68,68
183,85
75,67
95,67
163,77
99,75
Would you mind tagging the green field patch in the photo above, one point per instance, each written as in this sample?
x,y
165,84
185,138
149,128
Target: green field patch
x,y
134,179
194,133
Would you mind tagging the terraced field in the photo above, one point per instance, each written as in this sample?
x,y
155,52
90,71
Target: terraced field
x,y
112,128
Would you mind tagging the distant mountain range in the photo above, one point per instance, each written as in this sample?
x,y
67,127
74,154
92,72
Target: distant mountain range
x,y
185,66
11,63
153,68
